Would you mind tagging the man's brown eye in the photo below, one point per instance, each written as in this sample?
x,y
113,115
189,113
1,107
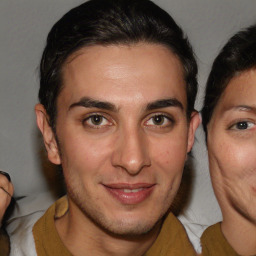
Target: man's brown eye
x,y
158,120
96,119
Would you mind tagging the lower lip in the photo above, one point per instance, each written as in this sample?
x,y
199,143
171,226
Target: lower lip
x,y
132,197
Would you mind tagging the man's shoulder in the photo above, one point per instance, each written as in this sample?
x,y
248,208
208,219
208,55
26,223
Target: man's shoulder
x,y
56,210
46,237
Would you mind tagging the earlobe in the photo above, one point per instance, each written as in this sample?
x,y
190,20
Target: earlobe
x,y
48,135
193,125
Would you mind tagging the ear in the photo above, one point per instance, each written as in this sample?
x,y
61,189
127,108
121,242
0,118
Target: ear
x,y
48,134
193,125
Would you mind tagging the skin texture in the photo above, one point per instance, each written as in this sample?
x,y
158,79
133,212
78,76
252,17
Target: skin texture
x,y
138,140
6,192
232,149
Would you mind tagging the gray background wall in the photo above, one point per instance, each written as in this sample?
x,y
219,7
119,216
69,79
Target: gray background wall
x,y
24,25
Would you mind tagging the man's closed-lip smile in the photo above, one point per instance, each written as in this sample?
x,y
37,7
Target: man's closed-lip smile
x,y
130,193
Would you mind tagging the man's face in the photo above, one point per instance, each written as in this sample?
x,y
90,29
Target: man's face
x,y
123,134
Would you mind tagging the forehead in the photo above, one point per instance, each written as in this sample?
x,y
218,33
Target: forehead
x,y
123,74
240,91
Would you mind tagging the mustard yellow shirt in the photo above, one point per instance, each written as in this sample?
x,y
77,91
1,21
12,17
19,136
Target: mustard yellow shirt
x,y
214,243
171,241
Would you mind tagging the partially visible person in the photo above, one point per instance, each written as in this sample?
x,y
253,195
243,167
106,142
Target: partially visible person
x,y
6,193
229,120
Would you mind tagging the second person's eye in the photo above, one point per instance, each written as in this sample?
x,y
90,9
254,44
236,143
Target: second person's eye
x,y
242,125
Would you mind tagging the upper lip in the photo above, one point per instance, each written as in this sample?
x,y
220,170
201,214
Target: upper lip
x,y
129,186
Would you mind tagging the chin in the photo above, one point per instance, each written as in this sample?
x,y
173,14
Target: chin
x,y
134,223
125,225
132,230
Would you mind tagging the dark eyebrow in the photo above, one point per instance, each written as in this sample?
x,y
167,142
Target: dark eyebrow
x,y
87,102
164,103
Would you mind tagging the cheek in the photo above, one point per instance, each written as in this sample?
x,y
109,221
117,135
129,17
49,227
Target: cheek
x,y
233,172
82,152
244,163
170,157
233,162
170,154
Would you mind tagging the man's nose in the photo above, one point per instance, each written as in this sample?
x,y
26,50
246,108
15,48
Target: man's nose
x,y
131,151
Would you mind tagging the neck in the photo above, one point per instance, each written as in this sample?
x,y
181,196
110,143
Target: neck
x,y
82,237
240,233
